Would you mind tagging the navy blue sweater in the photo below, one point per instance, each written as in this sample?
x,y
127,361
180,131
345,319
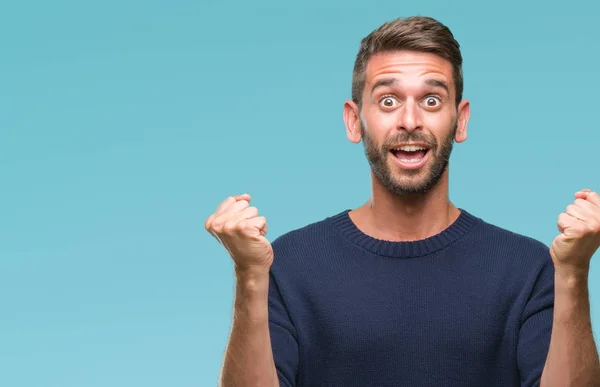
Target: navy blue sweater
x,y
471,306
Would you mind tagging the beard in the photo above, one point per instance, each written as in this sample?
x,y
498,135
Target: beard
x,y
414,181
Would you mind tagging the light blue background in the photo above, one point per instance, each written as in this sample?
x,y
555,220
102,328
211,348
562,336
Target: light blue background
x,y
125,123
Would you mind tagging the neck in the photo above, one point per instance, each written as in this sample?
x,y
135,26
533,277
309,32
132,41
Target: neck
x,y
391,217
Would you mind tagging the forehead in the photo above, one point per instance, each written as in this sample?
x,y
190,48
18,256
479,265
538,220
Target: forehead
x,y
408,66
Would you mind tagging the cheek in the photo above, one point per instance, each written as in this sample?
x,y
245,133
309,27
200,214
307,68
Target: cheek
x,y
437,121
386,120
379,125
376,128
440,126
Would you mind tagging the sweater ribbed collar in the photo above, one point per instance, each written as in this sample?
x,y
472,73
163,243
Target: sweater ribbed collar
x,y
343,223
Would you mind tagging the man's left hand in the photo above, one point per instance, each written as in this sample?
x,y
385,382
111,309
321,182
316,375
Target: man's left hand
x,y
579,236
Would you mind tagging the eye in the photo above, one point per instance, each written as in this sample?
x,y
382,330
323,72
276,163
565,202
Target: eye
x,y
432,101
388,101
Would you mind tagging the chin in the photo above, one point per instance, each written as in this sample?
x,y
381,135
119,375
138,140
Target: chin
x,y
410,189
412,182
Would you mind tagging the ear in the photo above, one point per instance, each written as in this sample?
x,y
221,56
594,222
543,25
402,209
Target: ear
x,y
464,113
352,121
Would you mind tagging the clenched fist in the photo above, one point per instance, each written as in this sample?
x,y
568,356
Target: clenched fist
x,y
237,226
579,228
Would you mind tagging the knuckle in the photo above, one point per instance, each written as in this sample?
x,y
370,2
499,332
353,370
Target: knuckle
x,y
229,228
217,225
241,226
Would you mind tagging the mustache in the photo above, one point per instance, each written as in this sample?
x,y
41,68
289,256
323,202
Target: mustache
x,y
404,137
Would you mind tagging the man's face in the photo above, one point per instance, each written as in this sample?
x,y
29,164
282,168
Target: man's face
x,y
409,119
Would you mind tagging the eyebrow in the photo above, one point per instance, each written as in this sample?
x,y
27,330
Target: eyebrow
x,y
438,83
385,82
389,82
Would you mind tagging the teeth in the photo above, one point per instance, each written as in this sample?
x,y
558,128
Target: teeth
x,y
411,148
410,160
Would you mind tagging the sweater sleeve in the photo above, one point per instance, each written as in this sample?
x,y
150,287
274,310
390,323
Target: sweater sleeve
x,y
536,327
283,337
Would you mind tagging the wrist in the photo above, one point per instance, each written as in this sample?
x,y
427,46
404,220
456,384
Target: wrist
x,y
570,288
251,273
252,280
571,276
252,295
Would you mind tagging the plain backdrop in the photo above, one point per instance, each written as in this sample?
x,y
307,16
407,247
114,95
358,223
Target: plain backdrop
x,y
123,124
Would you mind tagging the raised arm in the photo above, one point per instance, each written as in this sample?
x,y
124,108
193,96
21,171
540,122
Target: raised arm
x,y
573,357
248,358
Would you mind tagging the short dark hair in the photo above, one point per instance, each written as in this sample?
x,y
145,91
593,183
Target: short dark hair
x,y
415,33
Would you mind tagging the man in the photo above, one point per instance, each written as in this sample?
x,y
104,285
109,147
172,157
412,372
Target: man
x,y
407,289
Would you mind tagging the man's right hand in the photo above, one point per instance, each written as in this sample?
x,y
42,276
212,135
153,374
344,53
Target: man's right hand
x,y
237,226
249,358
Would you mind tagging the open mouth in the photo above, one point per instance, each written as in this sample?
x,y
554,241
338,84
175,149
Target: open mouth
x,y
410,156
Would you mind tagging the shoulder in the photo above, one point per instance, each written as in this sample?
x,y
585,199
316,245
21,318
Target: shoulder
x,y
512,246
310,234
505,235
296,249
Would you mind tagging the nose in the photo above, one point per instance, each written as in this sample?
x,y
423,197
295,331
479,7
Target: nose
x,y
410,117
